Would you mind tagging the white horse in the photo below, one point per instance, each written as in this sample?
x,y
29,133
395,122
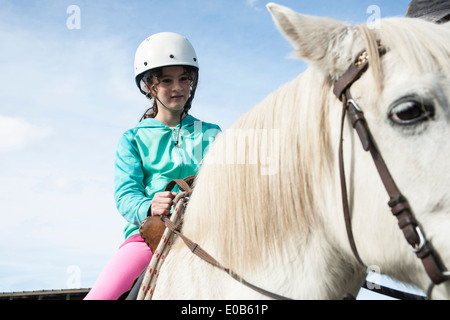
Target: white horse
x,y
267,201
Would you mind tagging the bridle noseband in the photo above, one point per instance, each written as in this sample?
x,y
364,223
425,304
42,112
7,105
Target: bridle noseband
x,y
397,202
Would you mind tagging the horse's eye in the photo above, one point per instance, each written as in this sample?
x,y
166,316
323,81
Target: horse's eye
x,y
411,111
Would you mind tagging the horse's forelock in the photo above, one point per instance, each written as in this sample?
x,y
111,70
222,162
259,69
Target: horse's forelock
x,y
420,45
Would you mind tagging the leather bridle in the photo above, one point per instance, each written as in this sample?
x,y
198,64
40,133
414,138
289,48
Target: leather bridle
x,y
397,202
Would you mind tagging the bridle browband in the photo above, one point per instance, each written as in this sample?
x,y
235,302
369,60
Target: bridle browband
x,y
397,202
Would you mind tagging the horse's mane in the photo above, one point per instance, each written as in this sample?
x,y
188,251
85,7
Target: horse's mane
x,y
232,197
237,209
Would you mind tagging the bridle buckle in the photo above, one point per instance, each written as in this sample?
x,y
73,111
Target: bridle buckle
x,y
419,247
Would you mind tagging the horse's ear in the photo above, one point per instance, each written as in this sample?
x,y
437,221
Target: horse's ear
x,y
319,40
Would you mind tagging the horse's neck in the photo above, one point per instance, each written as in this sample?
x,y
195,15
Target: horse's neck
x,y
309,263
324,271
316,272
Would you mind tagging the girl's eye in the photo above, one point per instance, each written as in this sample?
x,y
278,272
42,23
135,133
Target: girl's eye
x,y
183,79
166,81
411,111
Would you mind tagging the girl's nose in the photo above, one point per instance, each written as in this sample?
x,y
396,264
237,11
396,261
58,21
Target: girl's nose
x,y
177,85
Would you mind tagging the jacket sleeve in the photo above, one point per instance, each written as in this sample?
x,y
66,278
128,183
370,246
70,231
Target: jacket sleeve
x,y
129,193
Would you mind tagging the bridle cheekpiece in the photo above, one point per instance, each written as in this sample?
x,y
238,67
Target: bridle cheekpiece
x,y
398,203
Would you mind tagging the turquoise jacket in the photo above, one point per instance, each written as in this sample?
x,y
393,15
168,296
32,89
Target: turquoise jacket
x,y
147,159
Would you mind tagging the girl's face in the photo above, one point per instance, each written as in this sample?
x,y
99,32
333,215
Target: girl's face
x,y
173,89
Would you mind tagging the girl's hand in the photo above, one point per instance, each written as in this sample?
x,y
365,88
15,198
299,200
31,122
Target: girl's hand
x,y
162,203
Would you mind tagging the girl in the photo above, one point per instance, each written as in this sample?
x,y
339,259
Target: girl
x,y
167,144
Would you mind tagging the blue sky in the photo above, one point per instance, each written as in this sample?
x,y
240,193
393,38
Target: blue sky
x,y
67,95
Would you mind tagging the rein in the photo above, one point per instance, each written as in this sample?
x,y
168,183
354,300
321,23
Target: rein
x,y
173,225
399,205
198,251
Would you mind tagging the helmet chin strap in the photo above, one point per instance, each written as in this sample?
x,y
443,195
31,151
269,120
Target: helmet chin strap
x,y
165,107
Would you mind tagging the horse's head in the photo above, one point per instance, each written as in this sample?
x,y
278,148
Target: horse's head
x,y
405,98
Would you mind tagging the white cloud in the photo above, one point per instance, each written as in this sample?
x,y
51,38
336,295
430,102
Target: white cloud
x,y
16,133
252,3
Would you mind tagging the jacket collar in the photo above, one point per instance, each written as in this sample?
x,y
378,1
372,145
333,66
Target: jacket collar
x,y
153,123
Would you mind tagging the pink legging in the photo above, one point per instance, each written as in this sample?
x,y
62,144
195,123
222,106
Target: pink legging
x,y
120,272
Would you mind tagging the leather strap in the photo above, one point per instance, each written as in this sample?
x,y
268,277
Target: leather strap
x,y
353,73
202,254
398,203
183,184
345,207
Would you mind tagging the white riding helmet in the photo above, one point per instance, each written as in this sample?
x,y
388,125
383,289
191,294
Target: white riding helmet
x,y
162,50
